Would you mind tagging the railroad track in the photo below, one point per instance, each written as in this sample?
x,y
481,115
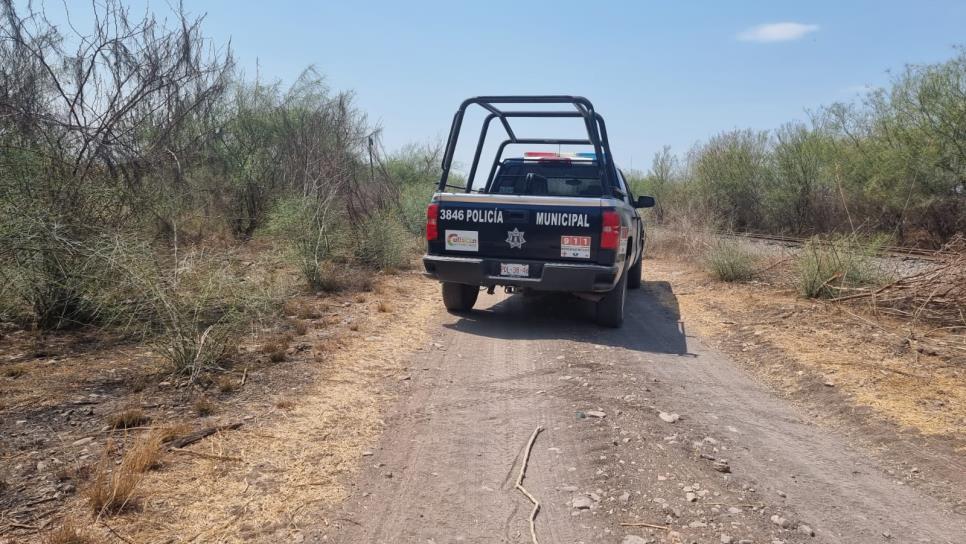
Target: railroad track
x,y
891,251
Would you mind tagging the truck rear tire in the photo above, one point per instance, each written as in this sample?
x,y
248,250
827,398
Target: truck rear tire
x,y
634,274
458,297
610,308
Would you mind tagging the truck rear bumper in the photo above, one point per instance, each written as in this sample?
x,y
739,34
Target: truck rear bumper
x,y
544,276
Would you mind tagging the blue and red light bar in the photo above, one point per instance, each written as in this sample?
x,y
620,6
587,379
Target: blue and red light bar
x,y
553,155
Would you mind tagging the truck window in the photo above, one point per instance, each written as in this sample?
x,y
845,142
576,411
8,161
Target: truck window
x,y
626,186
548,178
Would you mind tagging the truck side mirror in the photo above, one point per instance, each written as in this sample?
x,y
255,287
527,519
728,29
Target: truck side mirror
x,y
644,202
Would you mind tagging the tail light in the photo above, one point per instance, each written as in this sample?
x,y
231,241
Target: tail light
x,y
610,230
432,224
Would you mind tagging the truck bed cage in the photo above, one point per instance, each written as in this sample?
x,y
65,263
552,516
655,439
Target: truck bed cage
x,y
593,122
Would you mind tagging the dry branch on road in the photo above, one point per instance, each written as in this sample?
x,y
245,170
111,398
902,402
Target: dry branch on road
x,y
519,484
186,440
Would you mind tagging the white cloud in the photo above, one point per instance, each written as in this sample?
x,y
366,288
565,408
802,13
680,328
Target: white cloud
x,y
776,32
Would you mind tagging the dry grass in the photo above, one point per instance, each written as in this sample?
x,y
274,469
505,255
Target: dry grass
x,y
310,311
112,492
172,431
337,278
203,407
384,307
937,295
14,371
365,282
301,328
353,326
127,418
227,384
276,348
683,239
301,309
145,453
285,404
292,307
69,533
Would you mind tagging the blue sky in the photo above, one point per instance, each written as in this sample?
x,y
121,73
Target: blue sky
x,y
660,72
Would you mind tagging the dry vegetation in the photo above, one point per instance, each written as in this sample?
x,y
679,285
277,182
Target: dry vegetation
x,y
127,418
123,475
112,489
203,407
69,533
167,248
936,295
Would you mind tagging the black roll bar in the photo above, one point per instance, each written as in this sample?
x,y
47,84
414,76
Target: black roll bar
x,y
530,141
593,122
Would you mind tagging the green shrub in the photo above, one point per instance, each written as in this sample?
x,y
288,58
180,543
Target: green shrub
x,y
190,304
413,199
310,232
61,277
727,260
382,242
826,268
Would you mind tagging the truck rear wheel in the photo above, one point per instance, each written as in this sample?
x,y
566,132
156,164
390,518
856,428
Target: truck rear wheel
x,y
458,297
634,274
610,308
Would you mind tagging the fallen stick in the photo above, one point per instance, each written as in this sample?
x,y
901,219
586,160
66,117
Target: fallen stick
x,y
115,533
16,525
773,265
519,485
203,433
208,455
642,524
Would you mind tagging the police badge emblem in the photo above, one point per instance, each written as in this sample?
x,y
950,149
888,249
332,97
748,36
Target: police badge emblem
x,y
515,238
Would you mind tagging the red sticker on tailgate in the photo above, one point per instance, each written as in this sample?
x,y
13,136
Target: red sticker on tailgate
x,y
575,247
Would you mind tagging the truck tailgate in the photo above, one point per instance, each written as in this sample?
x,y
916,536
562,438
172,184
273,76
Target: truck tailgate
x,y
520,227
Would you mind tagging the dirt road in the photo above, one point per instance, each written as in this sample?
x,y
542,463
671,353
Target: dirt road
x,y
738,464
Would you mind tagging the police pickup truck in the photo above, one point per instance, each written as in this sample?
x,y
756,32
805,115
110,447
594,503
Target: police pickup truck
x,y
548,221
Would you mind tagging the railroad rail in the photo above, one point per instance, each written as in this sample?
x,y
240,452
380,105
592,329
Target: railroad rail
x,y
892,251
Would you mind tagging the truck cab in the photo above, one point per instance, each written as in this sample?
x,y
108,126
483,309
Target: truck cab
x,y
547,221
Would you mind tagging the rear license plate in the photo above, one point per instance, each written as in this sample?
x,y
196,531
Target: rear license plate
x,y
515,270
